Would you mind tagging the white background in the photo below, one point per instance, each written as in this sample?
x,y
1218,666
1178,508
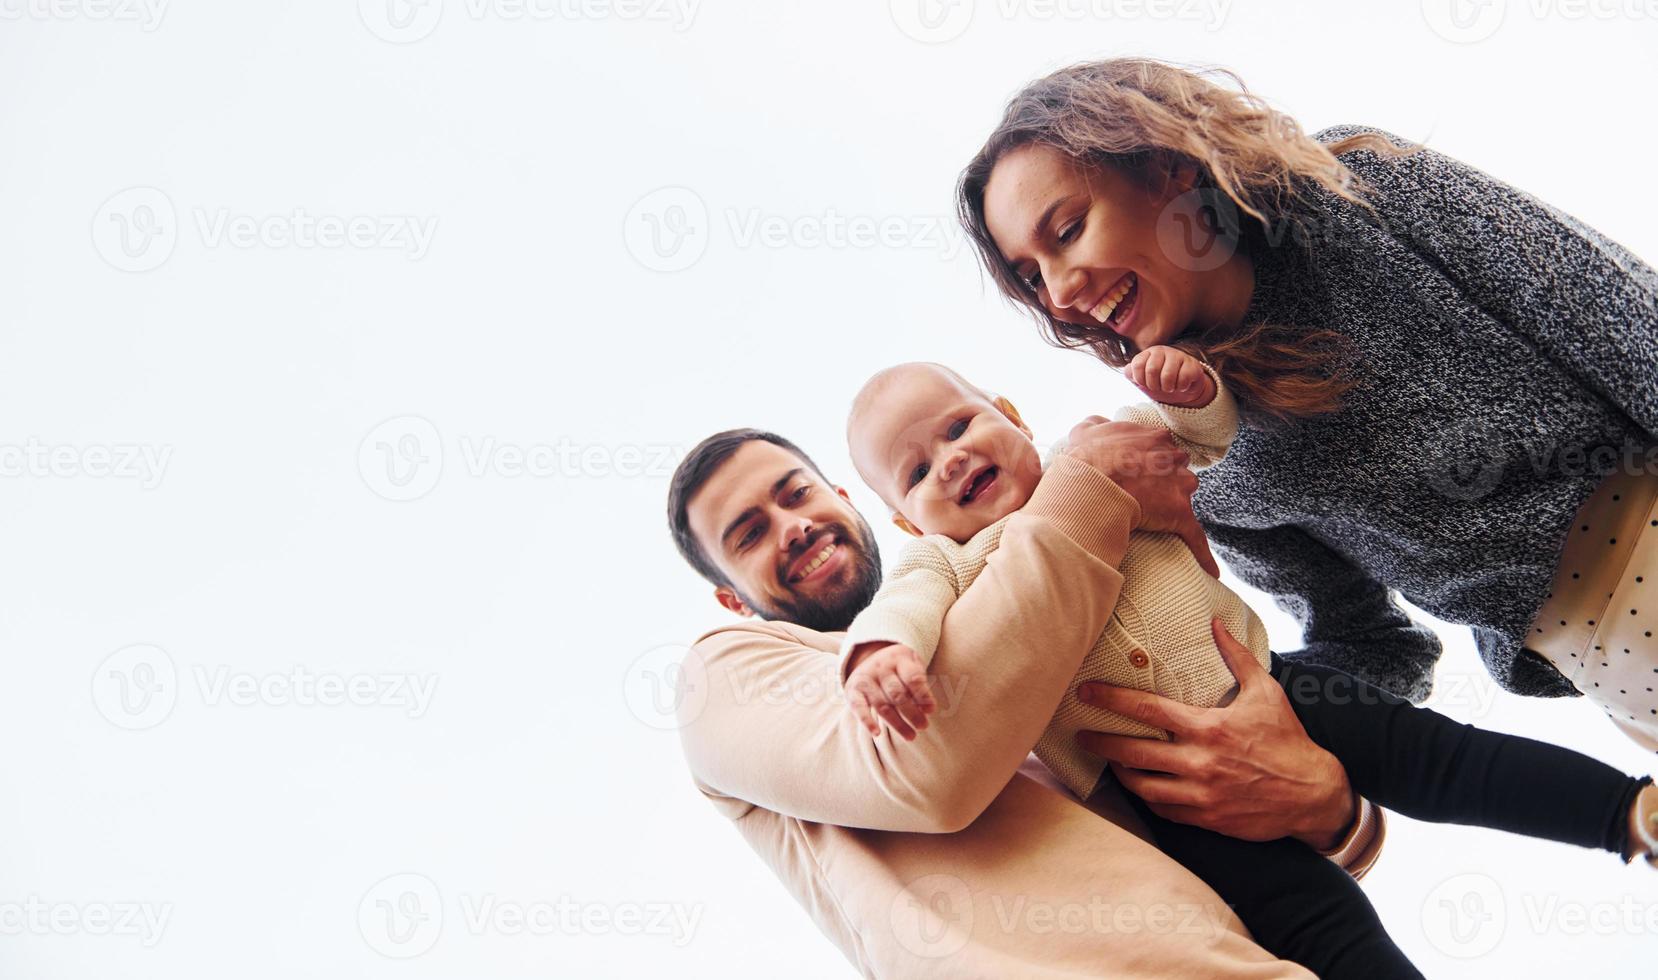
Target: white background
x,y
540,316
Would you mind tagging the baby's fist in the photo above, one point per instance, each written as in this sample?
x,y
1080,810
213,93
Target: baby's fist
x,y
889,682
1171,376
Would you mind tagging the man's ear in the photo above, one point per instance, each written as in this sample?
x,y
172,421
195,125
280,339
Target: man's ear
x,y
844,495
1006,408
903,524
729,598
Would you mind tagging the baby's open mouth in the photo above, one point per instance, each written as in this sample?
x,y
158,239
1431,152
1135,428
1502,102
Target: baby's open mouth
x,y
1117,304
981,481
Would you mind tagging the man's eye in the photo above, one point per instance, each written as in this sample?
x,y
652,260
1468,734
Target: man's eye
x,y
918,474
956,429
799,493
748,537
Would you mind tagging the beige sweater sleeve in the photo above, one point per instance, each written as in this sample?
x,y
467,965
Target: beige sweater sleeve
x,y
1205,433
932,572
1007,654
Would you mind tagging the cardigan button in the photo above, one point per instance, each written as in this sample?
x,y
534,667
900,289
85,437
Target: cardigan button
x,y
1138,658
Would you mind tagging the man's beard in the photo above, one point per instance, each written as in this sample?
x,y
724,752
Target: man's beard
x,y
832,612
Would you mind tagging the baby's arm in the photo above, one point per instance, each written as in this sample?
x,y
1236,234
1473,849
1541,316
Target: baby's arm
x,y
1190,401
889,645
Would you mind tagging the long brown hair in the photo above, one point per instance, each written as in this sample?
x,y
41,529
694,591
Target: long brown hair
x,y
1150,119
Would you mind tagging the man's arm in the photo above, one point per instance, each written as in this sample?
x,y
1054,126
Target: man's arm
x,y
770,726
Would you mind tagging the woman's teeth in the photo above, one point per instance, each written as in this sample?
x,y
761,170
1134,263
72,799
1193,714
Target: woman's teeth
x,y
817,560
1103,311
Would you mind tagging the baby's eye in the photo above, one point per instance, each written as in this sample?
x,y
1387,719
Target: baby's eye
x,y
957,428
918,474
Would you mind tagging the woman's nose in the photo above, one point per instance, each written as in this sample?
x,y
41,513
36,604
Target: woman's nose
x,y
1065,288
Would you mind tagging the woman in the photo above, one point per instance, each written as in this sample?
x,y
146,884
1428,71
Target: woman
x,y
1450,388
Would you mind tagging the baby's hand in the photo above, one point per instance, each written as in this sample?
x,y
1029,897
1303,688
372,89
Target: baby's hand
x,y
888,680
1171,377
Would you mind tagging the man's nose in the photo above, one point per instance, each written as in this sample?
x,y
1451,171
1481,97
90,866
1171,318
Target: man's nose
x,y
796,530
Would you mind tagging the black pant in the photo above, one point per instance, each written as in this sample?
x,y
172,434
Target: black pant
x,y
1300,906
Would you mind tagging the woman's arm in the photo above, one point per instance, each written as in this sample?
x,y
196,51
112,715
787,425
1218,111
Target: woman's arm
x,y
1349,620
1580,298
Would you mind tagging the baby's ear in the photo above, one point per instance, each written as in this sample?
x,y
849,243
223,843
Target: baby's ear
x,y
904,525
1006,408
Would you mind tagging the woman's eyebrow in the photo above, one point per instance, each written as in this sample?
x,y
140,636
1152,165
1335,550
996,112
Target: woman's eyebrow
x,y
1046,215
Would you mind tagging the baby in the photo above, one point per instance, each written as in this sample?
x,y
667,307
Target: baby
x,y
954,462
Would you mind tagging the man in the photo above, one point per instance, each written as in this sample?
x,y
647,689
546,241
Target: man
x,y
954,855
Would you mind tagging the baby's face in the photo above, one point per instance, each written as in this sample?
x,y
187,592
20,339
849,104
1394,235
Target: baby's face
x,y
941,454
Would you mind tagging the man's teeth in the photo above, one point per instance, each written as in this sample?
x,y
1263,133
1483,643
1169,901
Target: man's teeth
x,y
1107,305
817,560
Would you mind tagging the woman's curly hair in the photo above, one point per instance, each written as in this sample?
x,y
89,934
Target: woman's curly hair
x,y
1151,119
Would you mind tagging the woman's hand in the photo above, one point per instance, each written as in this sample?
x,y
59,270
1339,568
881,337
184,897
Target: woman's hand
x,y
1145,462
1247,770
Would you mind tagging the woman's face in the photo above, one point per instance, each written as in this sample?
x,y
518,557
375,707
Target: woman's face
x,y
1101,247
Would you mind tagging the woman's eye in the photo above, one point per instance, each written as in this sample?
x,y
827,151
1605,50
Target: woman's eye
x,y
956,429
1069,232
1032,282
918,474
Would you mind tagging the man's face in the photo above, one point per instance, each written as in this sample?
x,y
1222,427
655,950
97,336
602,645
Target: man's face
x,y
792,546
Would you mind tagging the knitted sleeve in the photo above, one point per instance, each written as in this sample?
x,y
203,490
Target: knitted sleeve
x,y
1579,298
932,572
1204,433
1349,621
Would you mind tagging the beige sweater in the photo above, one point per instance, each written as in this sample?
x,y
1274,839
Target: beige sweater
x,y
950,856
1158,638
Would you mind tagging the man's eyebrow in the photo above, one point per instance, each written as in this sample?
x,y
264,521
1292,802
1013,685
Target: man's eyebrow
x,y
747,515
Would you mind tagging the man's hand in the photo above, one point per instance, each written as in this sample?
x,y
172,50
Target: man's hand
x,y
1171,376
1145,462
888,680
1247,770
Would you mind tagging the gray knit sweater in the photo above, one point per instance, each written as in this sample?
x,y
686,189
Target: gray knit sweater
x,y
1498,343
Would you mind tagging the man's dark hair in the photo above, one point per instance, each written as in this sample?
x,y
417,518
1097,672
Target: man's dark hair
x,y
695,470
